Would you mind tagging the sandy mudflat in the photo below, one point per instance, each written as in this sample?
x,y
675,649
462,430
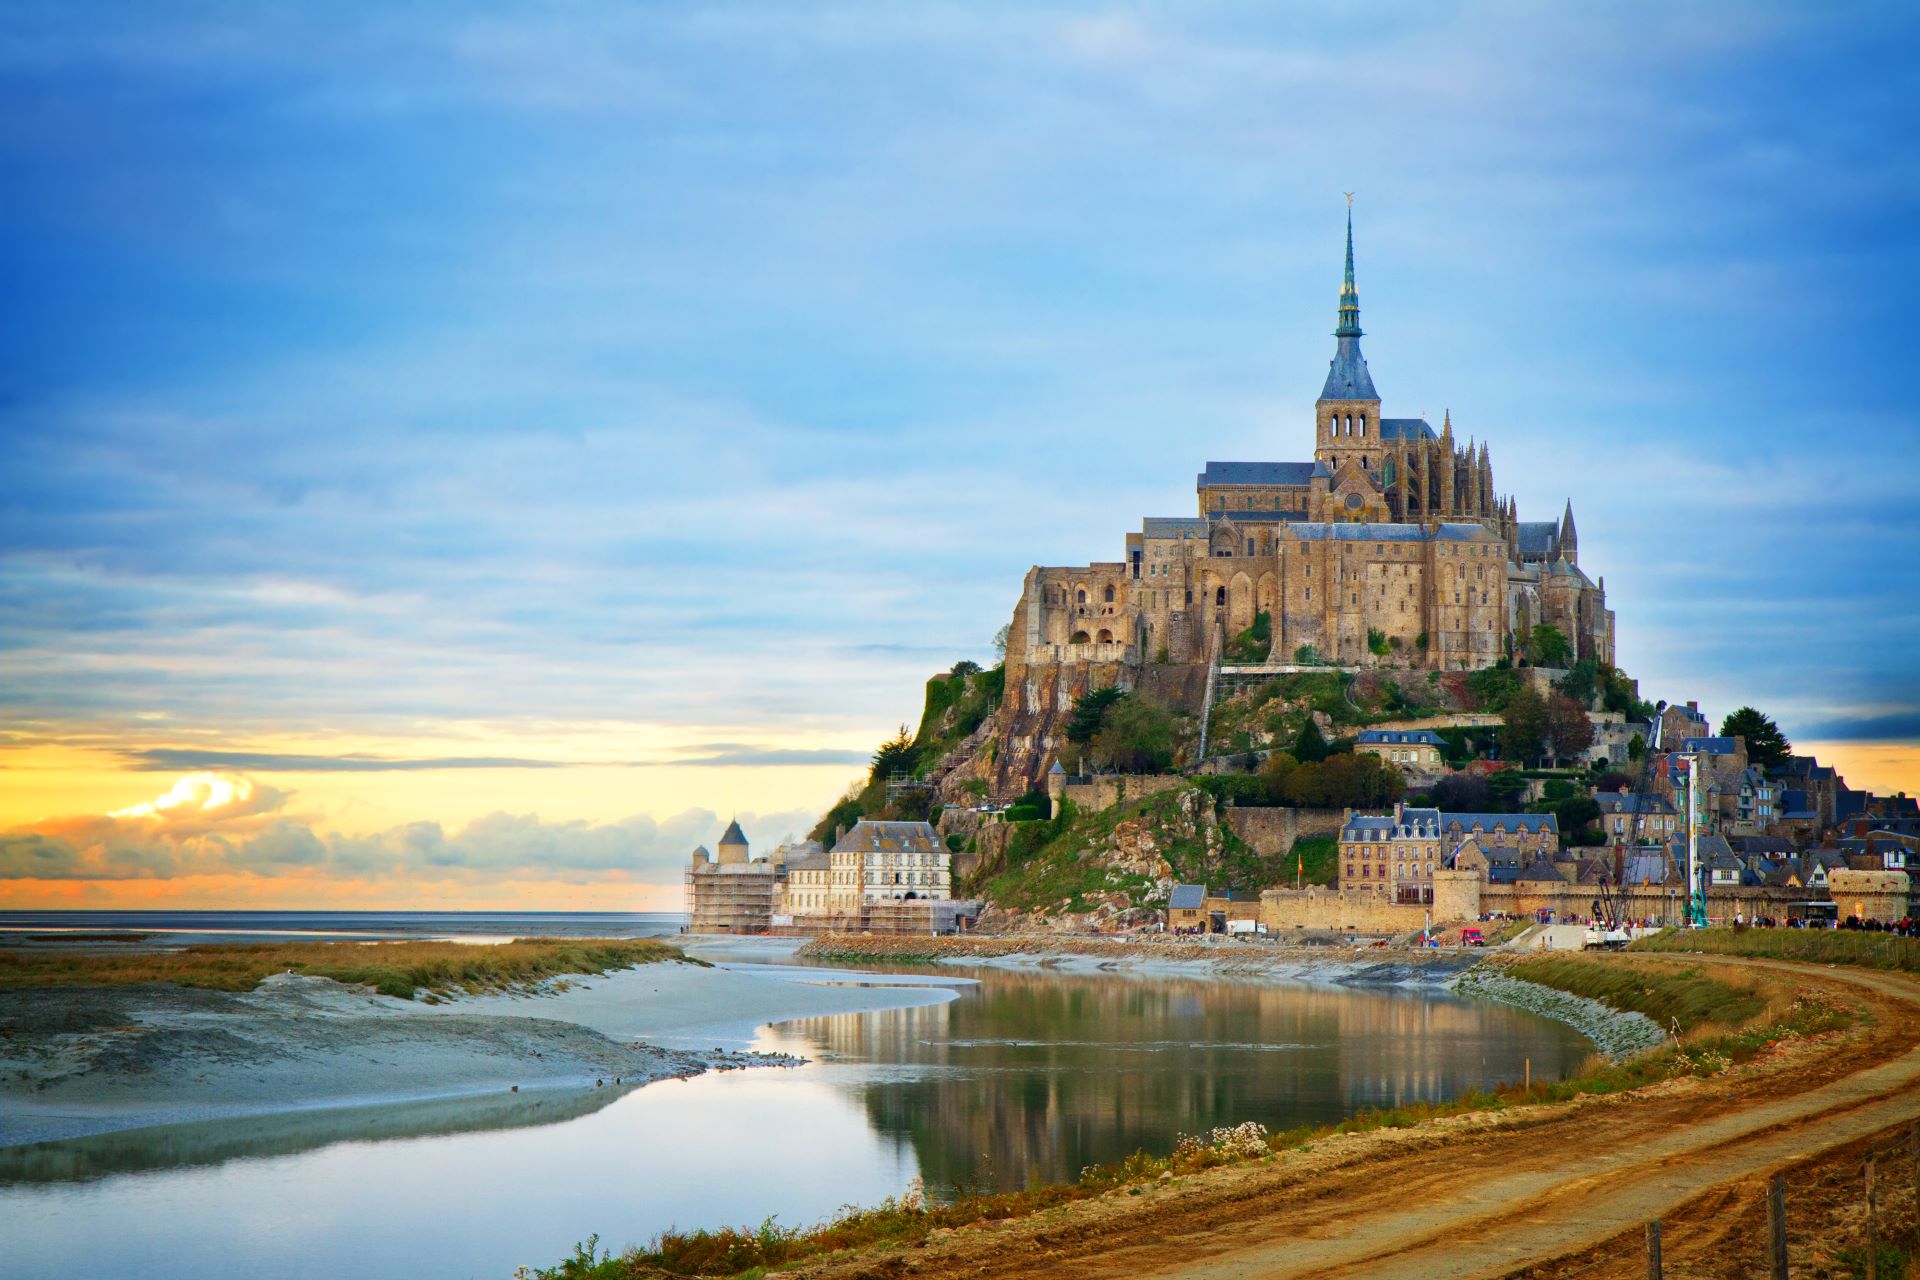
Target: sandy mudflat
x,y
90,1060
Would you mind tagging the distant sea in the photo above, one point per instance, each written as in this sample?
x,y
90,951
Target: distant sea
x,y
182,927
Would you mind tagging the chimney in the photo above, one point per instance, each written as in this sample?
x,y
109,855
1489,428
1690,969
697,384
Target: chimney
x,y
1692,705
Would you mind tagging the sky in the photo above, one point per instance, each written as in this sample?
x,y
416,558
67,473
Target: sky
x,y
461,455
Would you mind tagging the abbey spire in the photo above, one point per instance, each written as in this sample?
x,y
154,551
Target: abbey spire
x,y
1347,378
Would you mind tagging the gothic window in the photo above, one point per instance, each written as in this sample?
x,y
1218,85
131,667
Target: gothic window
x,y
1082,597
1363,425
1109,594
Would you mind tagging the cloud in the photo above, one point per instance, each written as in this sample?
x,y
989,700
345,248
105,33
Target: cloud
x,y
227,823
170,758
736,754
1894,726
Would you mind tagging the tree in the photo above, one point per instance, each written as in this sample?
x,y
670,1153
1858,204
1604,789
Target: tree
x,y
1576,814
1613,780
1766,745
1582,681
966,667
1636,747
1000,638
1507,787
1547,647
1274,773
1136,736
1463,793
1090,712
1309,745
1523,725
896,755
1569,731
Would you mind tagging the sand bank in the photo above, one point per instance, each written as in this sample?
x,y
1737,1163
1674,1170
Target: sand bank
x,y
92,1060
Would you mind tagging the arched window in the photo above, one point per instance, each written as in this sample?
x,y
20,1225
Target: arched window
x,y
1220,595
1109,593
1082,596
1363,424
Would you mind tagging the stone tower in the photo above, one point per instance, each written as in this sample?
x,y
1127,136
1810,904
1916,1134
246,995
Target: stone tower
x,y
1347,415
733,845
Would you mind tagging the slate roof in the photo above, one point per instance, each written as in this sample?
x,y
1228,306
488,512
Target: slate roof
x,y
1264,473
1174,527
1367,826
821,861
1188,897
1262,517
1406,429
1530,822
1709,746
869,835
1614,802
1645,868
1538,537
732,835
1347,376
1541,870
1401,737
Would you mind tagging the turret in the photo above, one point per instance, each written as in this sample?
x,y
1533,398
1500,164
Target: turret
x,y
1569,538
733,845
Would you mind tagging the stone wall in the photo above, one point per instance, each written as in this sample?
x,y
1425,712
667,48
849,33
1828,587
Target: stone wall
x,y
1284,910
1272,831
1102,791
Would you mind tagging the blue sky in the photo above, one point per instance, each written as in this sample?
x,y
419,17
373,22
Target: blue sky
x,y
536,382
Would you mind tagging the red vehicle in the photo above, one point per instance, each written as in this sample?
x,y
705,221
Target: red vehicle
x,y
1472,938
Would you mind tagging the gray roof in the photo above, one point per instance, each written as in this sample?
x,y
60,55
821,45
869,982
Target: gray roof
x,y
1537,537
1541,870
1347,376
1401,737
1174,527
1262,517
1503,821
1645,868
1188,897
817,861
1406,429
1709,746
868,835
1274,473
732,835
1368,826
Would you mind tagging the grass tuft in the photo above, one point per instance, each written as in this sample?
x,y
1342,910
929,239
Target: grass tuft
x,y
392,968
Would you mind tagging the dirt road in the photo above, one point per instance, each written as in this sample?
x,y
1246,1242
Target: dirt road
x,y
1482,1196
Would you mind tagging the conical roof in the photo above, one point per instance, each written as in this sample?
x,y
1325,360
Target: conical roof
x,y
733,834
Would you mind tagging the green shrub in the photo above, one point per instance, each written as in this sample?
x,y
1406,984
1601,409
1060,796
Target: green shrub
x,y
1377,643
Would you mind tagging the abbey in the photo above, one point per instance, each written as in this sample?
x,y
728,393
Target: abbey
x,y
1391,547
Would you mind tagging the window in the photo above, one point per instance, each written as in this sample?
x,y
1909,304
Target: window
x,y
1109,594
1220,595
1082,596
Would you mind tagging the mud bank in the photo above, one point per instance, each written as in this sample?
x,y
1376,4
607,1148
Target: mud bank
x,y
88,1060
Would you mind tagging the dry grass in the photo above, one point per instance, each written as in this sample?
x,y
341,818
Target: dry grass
x,y
392,968
1813,946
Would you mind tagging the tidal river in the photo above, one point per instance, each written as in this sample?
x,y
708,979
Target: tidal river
x,y
1021,1077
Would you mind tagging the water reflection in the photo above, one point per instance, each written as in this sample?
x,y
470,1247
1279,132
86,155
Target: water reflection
x,y
1023,1076
1033,1076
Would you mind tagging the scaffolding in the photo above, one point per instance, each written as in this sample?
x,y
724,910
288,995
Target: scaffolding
x,y
730,898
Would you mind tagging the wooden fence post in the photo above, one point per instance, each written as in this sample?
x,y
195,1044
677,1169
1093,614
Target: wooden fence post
x,y
1777,1226
1653,1250
1913,1150
1873,1231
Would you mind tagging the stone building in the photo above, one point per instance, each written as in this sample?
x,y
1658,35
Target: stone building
x,y
1391,546
1414,750
1398,853
880,861
733,892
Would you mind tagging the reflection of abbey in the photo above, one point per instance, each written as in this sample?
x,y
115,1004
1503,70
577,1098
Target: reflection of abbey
x,y
1390,547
